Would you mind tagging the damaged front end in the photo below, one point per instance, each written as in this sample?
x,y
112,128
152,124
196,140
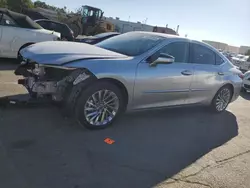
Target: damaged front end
x,y
54,82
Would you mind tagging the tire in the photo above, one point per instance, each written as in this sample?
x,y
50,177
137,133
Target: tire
x,y
224,94
86,103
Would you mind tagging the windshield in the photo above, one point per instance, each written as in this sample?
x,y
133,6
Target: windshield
x,y
131,44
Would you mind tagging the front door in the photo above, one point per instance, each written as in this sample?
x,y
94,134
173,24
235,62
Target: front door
x,y
164,84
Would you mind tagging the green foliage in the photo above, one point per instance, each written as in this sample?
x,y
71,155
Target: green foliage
x,y
42,4
3,3
19,5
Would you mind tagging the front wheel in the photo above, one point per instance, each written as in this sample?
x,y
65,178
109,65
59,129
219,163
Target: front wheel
x,y
99,105
221,99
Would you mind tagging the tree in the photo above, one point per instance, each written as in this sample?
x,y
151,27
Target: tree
x,y
3,3
40,4
19,5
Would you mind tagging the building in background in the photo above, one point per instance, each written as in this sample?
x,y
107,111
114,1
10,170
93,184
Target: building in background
x,y
126,26
243,49
233,49
165,30
223,46
217,45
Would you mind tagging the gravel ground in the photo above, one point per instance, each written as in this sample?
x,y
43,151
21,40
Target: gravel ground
x,y
173,148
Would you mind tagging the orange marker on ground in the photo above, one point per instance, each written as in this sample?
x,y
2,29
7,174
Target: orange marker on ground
x,y
109,141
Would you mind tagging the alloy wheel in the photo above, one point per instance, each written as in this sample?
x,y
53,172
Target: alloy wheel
x,y
223,99
101,107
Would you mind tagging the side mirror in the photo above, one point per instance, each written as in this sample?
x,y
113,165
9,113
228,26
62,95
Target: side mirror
x,y
163,59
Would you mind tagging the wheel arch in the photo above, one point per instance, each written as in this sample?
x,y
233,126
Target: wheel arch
x,y
23,46
120,85
229,85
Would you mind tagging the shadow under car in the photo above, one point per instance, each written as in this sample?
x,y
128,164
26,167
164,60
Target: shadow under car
x,y
150,146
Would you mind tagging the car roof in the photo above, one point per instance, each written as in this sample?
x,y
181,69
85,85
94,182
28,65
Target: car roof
x,y
21,19
47,20
169,36
160,34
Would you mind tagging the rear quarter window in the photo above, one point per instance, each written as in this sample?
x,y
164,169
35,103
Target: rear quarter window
x,y
219,60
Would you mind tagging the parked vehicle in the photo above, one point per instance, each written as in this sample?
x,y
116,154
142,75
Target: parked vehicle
x,y
132,71
239,60
245,65
18,31
97,38
66,33
246,82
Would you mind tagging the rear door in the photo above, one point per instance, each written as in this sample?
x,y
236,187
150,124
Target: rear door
x,y
207,73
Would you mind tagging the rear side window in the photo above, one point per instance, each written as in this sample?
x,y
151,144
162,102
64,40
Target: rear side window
x,y
202,55
179,50
219,60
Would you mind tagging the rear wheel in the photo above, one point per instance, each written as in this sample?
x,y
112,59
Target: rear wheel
x,y
99,105
221,99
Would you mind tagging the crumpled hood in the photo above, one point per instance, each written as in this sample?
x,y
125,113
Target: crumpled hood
x,y
59,52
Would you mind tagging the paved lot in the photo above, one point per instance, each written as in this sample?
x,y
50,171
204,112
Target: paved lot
x,y
171,148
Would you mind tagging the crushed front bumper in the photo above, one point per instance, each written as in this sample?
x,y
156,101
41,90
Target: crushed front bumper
x,y
50,81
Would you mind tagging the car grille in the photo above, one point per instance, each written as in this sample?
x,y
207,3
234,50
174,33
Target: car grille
x,y
247,86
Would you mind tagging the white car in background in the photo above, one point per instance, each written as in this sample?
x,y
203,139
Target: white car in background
x,y
246,81
245,65
18,31
238,60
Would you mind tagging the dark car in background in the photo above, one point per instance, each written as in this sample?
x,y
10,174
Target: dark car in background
x,y
97,38
66,33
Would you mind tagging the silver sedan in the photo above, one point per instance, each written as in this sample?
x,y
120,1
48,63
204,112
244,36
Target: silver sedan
x,y
132,71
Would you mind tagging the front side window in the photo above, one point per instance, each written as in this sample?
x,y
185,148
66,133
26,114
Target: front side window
x,y
202,55
179,50
131,44
7,21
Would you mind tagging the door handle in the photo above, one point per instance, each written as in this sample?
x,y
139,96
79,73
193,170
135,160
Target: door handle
x,y
186,73
220,73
